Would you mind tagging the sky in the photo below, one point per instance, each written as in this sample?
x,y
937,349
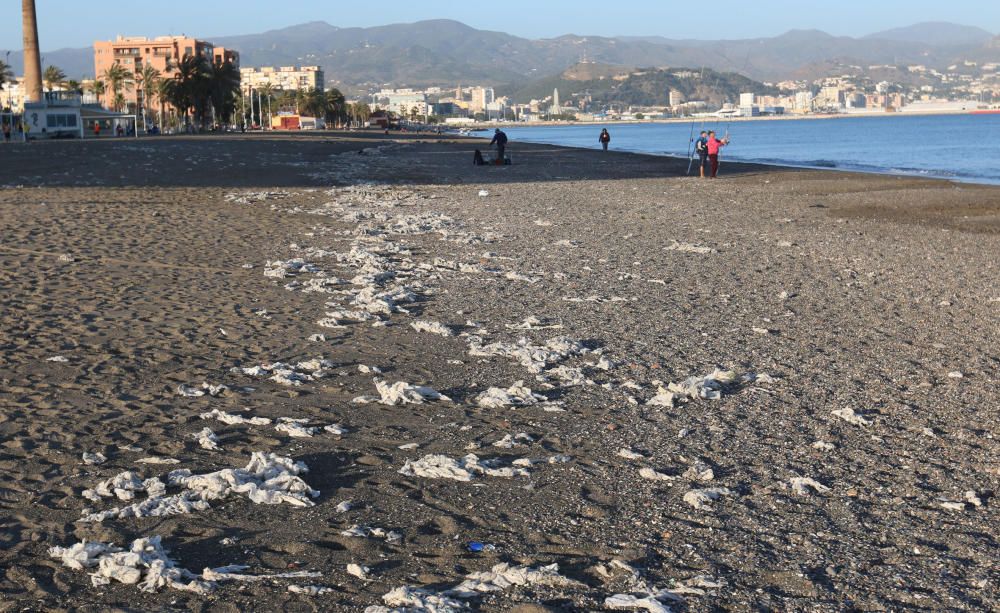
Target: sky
x,y
77,23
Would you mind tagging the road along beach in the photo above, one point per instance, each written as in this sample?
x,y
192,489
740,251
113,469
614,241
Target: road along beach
x,y
334,372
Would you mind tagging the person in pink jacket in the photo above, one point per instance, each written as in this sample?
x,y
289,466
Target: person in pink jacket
x,y
714,145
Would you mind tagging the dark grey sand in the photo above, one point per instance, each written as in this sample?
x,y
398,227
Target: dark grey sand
x,y
878,294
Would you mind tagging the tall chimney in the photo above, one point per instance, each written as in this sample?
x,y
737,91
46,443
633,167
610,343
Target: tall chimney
x,y
32,60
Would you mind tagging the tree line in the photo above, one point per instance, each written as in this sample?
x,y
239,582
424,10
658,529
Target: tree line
x,y
202,93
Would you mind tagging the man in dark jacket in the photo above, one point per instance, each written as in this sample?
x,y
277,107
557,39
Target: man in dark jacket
x,y
500,140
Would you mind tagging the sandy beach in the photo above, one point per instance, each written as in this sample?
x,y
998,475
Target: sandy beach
x,y
349,372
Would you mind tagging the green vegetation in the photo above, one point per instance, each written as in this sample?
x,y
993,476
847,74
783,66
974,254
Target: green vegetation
x,y
6,73
646,87
53,76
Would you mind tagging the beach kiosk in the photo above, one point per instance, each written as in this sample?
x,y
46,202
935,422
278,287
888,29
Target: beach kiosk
x,y
56,116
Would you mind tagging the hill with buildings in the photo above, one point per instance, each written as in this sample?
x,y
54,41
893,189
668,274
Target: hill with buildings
x,y
444,52
641,87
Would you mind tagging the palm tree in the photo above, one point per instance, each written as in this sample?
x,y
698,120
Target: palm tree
x,y
6,73
224,86
74,86
266,92
192,87
362,112
164,92
53,76
312,103
336,106
118,77
149,79
98,89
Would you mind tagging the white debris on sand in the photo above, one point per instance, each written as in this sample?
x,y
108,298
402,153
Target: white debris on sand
x,y
464,469
205,388
511,441
632,602
157,460
663,398
688,248
629,454
359,571
517,395
402,393
535,357
58,358
851,417
296,428
413,600
654,475
408,599
433,327
189,392
232,419
644,598
802,486
823,446
368,532
567,376
709,387
234,573
286,374
310,590
145,564
266,479
503,576
93,459
207,439
700,471
534,323
702,499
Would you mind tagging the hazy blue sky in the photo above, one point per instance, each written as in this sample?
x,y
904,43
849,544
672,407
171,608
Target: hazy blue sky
x,y
77,23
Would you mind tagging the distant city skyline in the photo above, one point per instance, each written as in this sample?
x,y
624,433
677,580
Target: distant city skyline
x,y
62,26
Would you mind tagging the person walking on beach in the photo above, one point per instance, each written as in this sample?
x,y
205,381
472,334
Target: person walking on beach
x,y
701,146
6,131
713,146
97,129
500,140
604,138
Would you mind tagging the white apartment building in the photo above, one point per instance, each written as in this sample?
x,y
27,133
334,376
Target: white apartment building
x,y
402,102
287,78
481,98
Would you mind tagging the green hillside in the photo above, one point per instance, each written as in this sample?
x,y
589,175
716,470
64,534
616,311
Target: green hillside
x,y
644,87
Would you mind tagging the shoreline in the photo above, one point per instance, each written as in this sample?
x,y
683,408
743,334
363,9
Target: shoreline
x,y
688,120
940,176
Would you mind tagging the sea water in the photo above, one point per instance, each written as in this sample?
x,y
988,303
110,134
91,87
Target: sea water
x,y
957,147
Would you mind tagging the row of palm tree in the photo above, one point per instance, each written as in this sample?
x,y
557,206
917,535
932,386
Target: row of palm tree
x,y
330,104
204,92
199,89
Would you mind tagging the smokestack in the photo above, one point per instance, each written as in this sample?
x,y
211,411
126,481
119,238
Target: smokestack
x,y
32,60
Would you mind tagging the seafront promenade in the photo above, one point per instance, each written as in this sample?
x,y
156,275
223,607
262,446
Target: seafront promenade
x,y
776,390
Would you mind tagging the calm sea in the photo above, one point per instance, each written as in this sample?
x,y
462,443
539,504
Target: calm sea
x,y
957,147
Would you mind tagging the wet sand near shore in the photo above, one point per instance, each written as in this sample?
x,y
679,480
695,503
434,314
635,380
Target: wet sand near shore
x,y
776,390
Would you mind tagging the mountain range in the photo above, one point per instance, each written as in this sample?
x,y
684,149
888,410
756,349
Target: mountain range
x,y
445,52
